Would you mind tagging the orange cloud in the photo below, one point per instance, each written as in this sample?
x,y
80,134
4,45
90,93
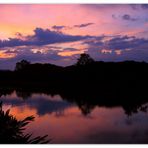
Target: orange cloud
x,y
6,55
70,53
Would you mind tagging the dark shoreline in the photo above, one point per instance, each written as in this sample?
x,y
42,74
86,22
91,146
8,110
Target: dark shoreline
x,y
106,84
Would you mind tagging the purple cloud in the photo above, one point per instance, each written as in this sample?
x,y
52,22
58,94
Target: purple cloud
x,y
58,28
144,6
127,17
42,37
83,25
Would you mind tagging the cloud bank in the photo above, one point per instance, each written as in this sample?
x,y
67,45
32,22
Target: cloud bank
x,y
41,37
48,46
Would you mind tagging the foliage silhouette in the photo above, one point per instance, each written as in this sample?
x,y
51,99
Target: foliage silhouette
x,y
11,130
84,60
21,65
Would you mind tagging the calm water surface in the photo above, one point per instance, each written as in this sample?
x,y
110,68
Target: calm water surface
x,y
64,122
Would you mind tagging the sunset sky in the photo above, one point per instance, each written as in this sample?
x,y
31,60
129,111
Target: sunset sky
x,y
58,33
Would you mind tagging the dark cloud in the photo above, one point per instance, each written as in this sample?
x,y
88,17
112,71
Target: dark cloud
x,y
11,42
96,41
127,48
50,55
103,6
70,49
120,48
38,56
137,7
83,25
42,37
144,6
58,28
127,17
124,42
118,42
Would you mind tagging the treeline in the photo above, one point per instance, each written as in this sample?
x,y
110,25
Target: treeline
x,y
85,73
85,70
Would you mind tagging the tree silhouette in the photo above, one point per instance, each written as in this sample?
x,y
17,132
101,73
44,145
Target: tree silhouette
x,y
11,130
84,59
22,64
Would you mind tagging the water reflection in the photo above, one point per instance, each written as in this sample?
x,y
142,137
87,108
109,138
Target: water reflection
x,y
75,120
42,103
45,100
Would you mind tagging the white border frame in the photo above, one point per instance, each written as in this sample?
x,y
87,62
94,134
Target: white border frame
x,y
73,1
